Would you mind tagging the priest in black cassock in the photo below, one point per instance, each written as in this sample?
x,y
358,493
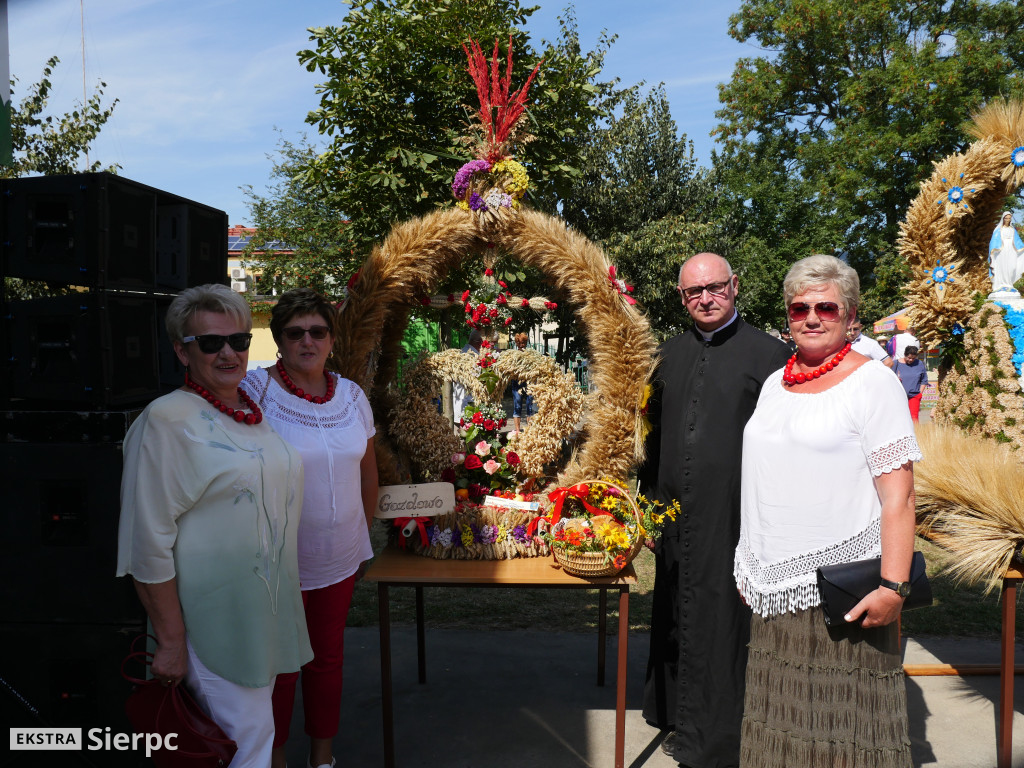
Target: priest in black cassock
x,y
705,389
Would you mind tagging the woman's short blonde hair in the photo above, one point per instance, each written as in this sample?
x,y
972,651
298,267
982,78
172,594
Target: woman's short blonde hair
x,y
822,269
212,297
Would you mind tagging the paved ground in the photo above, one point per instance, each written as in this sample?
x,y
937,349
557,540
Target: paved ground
x,y
529,699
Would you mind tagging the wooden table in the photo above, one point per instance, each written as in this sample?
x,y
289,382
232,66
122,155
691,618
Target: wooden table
x,y
397,568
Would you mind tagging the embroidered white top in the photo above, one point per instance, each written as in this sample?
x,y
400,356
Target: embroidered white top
x,y
331,437
808,494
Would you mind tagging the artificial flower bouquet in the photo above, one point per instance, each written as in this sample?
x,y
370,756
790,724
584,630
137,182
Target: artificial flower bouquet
x,y
596,528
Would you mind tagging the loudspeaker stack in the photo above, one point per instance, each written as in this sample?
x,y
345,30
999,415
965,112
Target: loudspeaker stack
x,y
76,369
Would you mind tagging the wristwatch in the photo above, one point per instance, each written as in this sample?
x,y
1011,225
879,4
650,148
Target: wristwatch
x,y
901,588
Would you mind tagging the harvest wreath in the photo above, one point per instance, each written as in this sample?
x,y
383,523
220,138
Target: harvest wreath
x,y
945,235
413,261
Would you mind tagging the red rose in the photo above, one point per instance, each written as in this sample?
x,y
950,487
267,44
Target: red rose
x,y
469,307
465,295
451,298
448,475
501,299
476,490
489,272
425,301
489,424
512,459
501,423
478,418
503,284
525,303
508,321
493,312
473,462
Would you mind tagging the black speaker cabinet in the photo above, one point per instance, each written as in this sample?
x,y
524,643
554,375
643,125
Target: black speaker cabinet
x,y
191,245
94,349
102,231
68,676
171,371
58,552
92,229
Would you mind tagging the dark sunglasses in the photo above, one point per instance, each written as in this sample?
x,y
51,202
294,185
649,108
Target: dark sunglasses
x,y
212,343
295,332
825,310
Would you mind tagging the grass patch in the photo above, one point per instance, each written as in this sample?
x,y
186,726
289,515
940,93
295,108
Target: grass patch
x,y
958,610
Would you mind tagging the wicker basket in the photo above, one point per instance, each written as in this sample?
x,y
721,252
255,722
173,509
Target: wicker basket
x,y
591,564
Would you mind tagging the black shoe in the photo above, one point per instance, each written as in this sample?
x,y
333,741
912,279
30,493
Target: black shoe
x,y
668,744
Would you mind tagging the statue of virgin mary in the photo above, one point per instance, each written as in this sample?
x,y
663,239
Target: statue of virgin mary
x,y
1004,255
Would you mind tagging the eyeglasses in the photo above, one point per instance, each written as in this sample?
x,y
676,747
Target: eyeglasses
x,y
296,332
212,343
715,289
825,310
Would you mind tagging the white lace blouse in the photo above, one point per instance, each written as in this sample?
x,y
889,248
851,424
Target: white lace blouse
x,y
808,494
331,438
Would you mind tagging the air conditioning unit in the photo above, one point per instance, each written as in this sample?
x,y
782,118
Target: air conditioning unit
x,y
238,273
238,286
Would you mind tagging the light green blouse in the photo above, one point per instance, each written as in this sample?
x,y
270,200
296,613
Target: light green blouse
x,y
216,505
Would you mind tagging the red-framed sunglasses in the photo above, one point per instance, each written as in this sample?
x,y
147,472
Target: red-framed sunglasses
x,y
825,310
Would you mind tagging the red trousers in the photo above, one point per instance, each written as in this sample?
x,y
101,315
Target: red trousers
x,y
326,613
915,406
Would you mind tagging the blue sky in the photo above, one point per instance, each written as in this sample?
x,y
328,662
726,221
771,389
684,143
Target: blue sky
x,y
202,84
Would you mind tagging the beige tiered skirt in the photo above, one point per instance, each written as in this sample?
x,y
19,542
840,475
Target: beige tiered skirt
x,y
820,700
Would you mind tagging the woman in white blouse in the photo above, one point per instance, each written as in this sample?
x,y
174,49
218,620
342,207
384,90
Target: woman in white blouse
x,y
329,421
827,478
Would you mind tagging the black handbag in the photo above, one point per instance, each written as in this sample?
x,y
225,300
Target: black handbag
x,y
844,585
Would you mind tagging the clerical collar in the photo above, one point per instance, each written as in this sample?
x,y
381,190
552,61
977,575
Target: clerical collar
x,y
708,335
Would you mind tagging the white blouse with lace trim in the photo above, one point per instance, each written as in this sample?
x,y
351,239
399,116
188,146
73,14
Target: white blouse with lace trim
x,y
808,494
331,437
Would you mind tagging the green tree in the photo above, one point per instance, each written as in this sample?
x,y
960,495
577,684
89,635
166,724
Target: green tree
x,y
300,239
642,195
396,102
50,144
858,99
45,144
772,217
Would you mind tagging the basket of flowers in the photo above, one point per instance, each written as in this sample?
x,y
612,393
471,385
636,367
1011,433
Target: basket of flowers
x,y
596,528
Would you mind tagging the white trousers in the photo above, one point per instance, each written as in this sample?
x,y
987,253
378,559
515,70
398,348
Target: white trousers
x,y
245,714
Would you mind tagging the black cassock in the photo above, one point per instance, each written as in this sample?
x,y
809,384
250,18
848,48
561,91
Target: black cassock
x,y
704,392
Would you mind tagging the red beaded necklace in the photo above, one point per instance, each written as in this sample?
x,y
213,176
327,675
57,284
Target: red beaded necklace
x,y
290,386
232,413
799,378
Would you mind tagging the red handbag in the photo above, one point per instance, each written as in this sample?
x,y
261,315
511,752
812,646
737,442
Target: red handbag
x,y
165,709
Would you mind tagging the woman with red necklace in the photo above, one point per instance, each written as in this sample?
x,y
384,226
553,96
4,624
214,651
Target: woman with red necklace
x,y
205,477
329,421
827,478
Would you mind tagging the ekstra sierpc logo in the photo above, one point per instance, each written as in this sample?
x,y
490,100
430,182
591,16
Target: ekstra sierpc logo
x,y
96,739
